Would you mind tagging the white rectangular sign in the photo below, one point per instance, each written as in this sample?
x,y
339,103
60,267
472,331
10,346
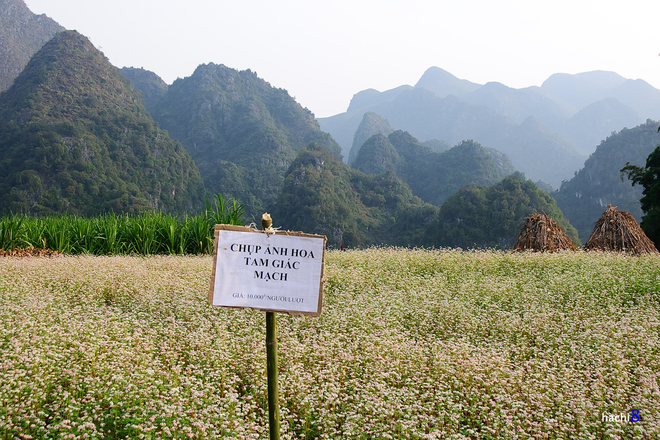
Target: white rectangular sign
x,y
280,272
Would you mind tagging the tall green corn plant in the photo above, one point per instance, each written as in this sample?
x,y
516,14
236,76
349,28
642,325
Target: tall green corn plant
x,y
219,213
236,215
141,234
198,239
127,234
169,235
109,228
34,232
57,233
10,232
84,237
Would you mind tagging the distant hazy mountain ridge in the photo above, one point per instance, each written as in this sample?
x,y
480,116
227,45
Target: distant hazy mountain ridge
x,y
443,83
22,34
547,131
531,147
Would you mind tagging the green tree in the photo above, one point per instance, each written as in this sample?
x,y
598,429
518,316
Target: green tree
x,y
649,178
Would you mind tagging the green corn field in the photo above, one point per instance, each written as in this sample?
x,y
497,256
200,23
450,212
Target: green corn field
x,y
148,233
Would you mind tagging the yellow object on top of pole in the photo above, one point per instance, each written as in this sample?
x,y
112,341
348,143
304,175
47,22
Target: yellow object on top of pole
x,y
266,222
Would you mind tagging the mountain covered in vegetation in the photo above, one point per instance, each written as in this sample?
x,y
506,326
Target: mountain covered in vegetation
x,y
75,137
323,195
22,33
151,86
242,133
584,198
547,131
493,216
371,125
432,176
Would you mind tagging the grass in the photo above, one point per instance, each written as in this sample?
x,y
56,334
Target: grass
x,y
148,233
411,344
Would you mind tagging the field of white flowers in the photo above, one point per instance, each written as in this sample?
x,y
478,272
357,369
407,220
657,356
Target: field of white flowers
x,y
411,344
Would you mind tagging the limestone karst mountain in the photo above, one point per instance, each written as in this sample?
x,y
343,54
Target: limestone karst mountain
x,y
432,176
75,137
242,133
482,217
22,33
547,131
151,86
325,196
371,124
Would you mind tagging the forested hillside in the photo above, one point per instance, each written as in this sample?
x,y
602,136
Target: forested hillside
x,y
493,216
22,34
584,198
431,175
242,132
75,137
323,195
371,124
150,85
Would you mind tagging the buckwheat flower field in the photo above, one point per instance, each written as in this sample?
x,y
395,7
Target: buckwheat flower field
x,y
411,344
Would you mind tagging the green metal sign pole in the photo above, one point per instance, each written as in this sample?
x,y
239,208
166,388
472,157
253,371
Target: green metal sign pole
x,y
272,367
271,360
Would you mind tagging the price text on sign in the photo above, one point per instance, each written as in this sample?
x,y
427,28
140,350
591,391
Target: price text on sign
x,y
276,272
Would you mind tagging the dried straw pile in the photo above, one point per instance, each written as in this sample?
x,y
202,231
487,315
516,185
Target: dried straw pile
x,y
542,234
619,231
31,252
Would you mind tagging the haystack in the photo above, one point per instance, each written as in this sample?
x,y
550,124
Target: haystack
x,y
619,231
542,234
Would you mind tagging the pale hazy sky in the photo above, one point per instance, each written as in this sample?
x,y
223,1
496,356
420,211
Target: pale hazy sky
x,y
323,52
